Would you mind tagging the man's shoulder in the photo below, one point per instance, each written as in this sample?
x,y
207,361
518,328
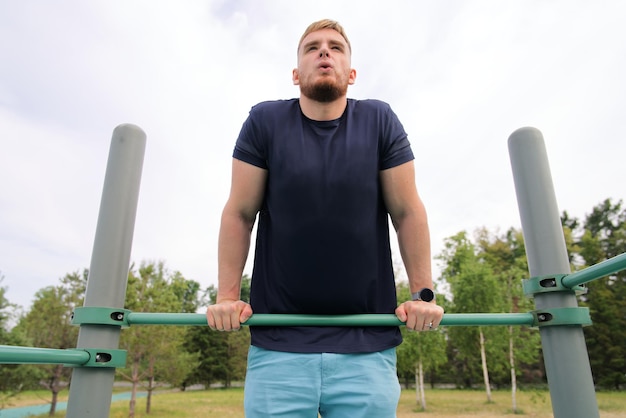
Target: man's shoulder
x,y
369,105
288,105
275,105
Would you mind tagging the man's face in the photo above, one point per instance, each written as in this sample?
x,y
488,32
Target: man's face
x,y
324,72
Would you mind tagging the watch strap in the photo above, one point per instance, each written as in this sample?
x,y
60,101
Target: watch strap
x,y
425,294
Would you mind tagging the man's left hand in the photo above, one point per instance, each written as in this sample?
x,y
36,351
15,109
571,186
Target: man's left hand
x,y
419,315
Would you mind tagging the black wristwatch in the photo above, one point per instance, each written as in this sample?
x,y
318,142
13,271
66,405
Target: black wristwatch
x,y
426,295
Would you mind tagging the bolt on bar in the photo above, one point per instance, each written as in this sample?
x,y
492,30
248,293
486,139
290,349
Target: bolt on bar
x,y
145,318
605,268
31,355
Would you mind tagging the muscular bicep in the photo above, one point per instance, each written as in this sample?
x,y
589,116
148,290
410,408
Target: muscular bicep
x,y
247,190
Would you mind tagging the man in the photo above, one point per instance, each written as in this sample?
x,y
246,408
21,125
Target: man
x,y
323,172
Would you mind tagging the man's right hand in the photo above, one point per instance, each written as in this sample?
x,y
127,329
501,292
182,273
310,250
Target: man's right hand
x,y
228,315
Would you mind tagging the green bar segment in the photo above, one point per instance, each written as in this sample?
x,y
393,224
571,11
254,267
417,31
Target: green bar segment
x,y
146,318
485,319
77,357
364,320
385,320
605,268
30,355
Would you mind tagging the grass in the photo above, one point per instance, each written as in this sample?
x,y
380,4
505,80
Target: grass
x,y
444,403
39,397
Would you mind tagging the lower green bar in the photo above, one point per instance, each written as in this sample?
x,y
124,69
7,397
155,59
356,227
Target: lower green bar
x,y
385,320
146,318
10,354
363,320
32,355
479,319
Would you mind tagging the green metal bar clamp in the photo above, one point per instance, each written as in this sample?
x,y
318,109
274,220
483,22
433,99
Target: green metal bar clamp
x,y
551,283
562,316
98,357
100,316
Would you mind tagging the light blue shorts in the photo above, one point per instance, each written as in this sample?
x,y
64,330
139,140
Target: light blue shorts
x,y
297,385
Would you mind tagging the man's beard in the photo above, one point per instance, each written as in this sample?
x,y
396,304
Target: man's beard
x,y
324,91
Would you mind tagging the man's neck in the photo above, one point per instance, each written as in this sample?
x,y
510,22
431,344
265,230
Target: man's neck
x,y
322,111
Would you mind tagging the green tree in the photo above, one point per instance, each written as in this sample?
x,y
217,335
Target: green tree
x,y
223,355
155,353
462,349
604,237
13,377
507,257
186,292
5,307
47,325
212,350
571,227
475,289
420,353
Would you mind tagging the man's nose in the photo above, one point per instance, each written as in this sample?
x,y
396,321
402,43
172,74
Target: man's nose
x,y
323,52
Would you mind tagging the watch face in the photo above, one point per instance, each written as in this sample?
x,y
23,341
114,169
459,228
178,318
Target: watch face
x,y
427,295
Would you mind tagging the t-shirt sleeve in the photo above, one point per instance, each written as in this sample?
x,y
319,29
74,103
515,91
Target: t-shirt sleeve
x,y
251,145
396,148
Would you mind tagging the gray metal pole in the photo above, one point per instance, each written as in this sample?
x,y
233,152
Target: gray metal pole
x,y
91,388
564,348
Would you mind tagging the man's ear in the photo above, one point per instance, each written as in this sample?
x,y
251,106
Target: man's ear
x,y
295,77
352,76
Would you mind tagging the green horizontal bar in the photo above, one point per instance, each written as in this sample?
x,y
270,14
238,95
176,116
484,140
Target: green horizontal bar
x,y
287,320
32,355
478,319
385,320
597,271
10,354
361,320
147,318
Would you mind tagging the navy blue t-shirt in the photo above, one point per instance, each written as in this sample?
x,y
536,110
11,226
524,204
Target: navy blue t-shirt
x,y
322,242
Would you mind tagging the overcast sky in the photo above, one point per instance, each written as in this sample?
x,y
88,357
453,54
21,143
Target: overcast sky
x,y
461,75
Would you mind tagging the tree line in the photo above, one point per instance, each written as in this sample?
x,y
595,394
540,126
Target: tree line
x,y
480,272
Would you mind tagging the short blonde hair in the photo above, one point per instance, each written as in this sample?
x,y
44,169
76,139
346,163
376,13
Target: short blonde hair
x,y
325,24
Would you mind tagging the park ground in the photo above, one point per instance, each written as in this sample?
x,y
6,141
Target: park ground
x,y
441,403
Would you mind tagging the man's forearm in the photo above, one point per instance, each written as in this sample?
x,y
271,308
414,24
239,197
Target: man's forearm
x,y
414,242
233,248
